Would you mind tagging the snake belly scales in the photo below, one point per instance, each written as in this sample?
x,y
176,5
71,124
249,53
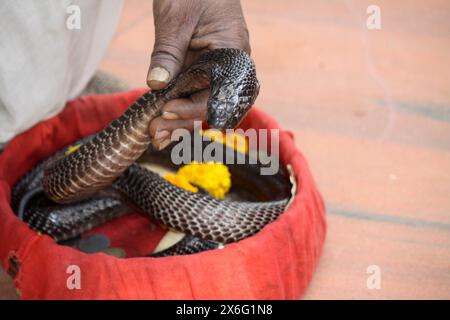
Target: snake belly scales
x,y
74,185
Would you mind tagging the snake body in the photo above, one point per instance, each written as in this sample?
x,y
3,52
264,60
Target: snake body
x,y
229,73
73,181
196,214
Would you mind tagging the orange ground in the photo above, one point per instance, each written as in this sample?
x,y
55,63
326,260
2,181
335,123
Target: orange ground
x,y
371,111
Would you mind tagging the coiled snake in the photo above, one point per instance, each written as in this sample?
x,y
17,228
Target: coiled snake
x,y
108,158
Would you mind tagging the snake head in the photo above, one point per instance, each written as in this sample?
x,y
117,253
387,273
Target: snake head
x,y
233,84
229,103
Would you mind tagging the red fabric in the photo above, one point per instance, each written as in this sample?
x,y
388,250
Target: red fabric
x,y
276,263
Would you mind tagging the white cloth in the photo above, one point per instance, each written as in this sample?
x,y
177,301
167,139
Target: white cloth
x,y
43,63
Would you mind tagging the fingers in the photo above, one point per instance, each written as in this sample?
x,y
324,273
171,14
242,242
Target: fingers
x,y
183,30
179,113
222,25
174,27
226,40
161,130
193,107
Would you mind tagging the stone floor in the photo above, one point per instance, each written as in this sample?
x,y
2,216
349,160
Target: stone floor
x,y
371,111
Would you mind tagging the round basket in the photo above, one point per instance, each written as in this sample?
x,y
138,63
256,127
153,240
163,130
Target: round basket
x,y
276,263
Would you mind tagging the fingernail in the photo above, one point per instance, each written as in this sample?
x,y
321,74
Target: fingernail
x,y
161,134
170,115
163,144
157,76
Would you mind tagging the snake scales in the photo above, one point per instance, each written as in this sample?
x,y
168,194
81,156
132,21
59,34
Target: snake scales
x,y
73,183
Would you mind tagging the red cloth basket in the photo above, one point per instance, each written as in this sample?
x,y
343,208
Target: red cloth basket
x,y
276,263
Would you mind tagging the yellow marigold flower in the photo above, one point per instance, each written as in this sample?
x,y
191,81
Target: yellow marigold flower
x,y
212,177
234,141
180,181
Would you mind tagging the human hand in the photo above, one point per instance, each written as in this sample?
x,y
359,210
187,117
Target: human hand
x,y
183,31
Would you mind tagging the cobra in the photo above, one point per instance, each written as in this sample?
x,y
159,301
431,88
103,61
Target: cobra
x,y
109,157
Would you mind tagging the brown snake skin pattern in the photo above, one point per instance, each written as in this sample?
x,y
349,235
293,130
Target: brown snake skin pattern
x,y
196,214
230,74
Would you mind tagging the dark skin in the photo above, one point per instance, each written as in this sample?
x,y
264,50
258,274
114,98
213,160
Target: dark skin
x,y
183,31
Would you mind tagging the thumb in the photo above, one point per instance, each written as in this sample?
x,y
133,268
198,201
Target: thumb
x,y
171,45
